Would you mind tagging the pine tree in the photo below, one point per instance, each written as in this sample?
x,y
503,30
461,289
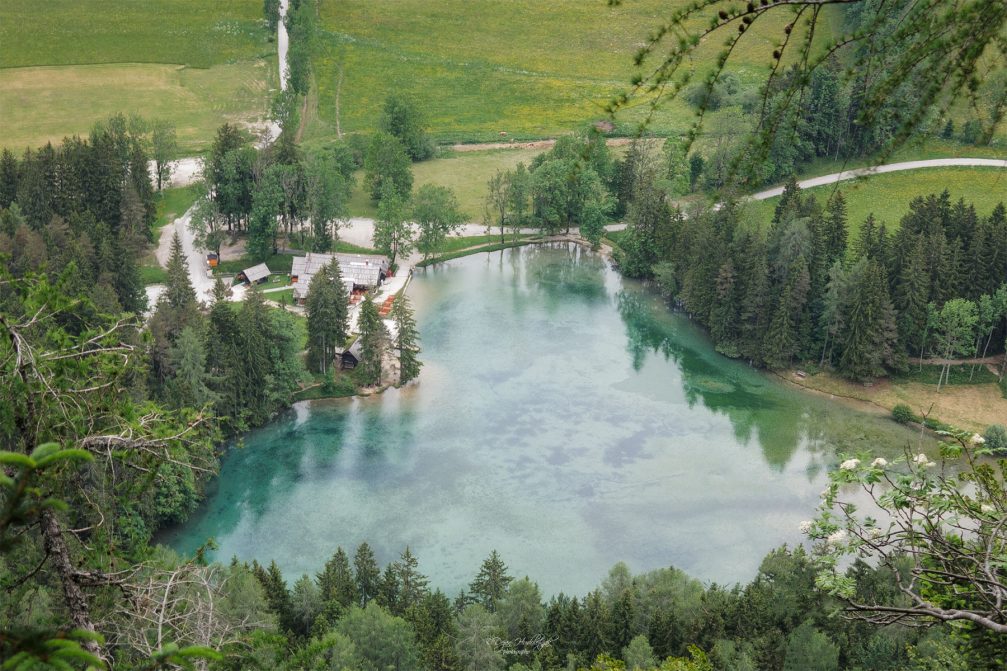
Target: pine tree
x,y
406,338
373,342
367,574
490,584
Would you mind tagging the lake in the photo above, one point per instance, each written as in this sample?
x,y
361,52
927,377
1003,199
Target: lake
x,y
564,417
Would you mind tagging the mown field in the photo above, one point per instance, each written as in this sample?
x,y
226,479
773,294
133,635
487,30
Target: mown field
x,y
887,196
66,64
481,67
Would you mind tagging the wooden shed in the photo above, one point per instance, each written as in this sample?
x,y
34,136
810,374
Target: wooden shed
x,y
350,356
256,274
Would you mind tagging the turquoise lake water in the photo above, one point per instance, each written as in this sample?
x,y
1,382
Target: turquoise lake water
x,y
564,417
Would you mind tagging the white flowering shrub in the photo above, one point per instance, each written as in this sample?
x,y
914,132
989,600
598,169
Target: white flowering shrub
x,y
942,532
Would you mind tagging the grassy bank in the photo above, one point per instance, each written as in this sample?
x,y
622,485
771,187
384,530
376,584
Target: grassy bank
x,y
440,258
972,407
887,196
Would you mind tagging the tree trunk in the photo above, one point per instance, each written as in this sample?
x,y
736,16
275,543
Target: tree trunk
x,y
76,602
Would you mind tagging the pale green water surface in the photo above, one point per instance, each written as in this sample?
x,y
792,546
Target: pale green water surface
x,y
563,417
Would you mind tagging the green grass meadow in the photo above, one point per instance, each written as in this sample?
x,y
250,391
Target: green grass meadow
x,y
480,67
66,64
887,196
465,173
173,203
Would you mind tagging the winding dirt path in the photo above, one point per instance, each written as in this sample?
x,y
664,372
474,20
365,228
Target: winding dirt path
x,y
889,167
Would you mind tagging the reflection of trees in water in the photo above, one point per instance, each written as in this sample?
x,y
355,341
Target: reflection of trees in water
x,y
749,408
566,271
271,462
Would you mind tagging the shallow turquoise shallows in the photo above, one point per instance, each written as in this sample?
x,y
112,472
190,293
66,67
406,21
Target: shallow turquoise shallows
x,y
564,417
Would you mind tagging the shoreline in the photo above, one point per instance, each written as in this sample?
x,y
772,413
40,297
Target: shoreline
x,y
877,399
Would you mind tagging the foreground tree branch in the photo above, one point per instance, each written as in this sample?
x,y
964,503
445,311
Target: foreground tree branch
x,y
942,532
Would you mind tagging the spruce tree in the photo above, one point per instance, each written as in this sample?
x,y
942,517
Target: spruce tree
x,y
8,178
911,297
178,291
724,313
224,363
783,342
188,385
412,583
490,585
256,363
388,589
753,273
406,338
326,307
869,333
336,580
373,342
366,573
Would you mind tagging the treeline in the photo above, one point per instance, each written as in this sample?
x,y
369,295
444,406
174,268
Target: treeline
x,y
354,614
86,204
797,292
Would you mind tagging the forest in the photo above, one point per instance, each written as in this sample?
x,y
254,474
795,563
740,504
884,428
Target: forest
x,y
115,414
140,410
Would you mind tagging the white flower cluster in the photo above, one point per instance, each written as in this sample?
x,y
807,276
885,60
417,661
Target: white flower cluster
x,y
849,464
880,462
987,508
805,526
923,461
876,532
977,439
836,537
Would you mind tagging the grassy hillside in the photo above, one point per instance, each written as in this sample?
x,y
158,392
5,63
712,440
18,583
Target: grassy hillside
x,y
66,64
887,196
481,67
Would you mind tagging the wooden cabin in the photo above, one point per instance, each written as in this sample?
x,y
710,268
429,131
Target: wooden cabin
x,y
350,357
